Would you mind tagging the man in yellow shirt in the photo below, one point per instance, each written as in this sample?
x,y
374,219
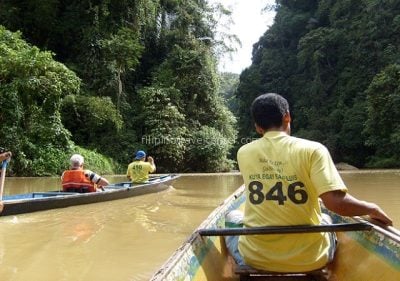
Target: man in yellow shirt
x,y
285,176
138,171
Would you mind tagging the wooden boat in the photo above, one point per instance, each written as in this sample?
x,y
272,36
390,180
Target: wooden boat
x,y
368,255
39,201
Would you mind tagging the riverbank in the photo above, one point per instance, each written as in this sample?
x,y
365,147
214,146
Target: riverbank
x,y
341,166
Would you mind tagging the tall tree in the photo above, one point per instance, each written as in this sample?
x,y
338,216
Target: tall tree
x,y
32,85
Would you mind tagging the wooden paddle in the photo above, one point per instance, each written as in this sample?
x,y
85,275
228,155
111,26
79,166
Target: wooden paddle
x,y
3,176
286,229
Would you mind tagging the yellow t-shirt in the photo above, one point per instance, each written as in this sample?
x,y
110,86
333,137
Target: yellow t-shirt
x,y
284,177
138,171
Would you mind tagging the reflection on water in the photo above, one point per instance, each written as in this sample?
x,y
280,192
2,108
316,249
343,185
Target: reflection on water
x,y
117,240
130,239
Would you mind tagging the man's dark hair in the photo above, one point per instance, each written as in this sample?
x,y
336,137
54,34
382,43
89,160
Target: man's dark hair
x,y
268,110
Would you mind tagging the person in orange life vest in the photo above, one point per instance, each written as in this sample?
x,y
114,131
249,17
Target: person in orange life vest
x,y
138,171
79,180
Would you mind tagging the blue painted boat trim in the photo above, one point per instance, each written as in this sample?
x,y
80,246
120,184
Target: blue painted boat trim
x,y
373,241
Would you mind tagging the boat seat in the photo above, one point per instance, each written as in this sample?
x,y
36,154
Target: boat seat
x,y
82,189
248,273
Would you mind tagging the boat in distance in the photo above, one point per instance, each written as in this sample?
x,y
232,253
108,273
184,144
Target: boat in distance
x,y
40,201
366,251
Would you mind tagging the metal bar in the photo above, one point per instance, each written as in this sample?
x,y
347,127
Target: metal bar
x,y
286,229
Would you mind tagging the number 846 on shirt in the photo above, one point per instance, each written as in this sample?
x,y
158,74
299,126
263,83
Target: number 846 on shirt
x,y
295,192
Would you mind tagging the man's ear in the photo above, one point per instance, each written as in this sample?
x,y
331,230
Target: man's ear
x,y
286,122
286,118
259,130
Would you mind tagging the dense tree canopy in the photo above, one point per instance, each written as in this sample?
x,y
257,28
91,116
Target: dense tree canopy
x,y
133,74
337,64
32,86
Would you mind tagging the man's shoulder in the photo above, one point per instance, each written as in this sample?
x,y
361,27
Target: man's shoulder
x,y
250,145
88,172
306,143
146,163
135,163
74,171
139,163
248,149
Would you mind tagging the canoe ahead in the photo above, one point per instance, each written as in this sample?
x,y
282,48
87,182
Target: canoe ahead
x,y
369,255
39,201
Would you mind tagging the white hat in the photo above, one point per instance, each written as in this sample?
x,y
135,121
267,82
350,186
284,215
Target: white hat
x,y
76,160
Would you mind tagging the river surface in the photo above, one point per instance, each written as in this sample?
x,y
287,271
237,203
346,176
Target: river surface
x,y
130,239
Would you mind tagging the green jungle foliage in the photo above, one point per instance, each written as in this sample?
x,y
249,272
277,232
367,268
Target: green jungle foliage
x,y
107,78
32,86
228,87
338,63
383,108
32,89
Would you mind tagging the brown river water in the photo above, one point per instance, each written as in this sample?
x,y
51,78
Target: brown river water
x,y
130,239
